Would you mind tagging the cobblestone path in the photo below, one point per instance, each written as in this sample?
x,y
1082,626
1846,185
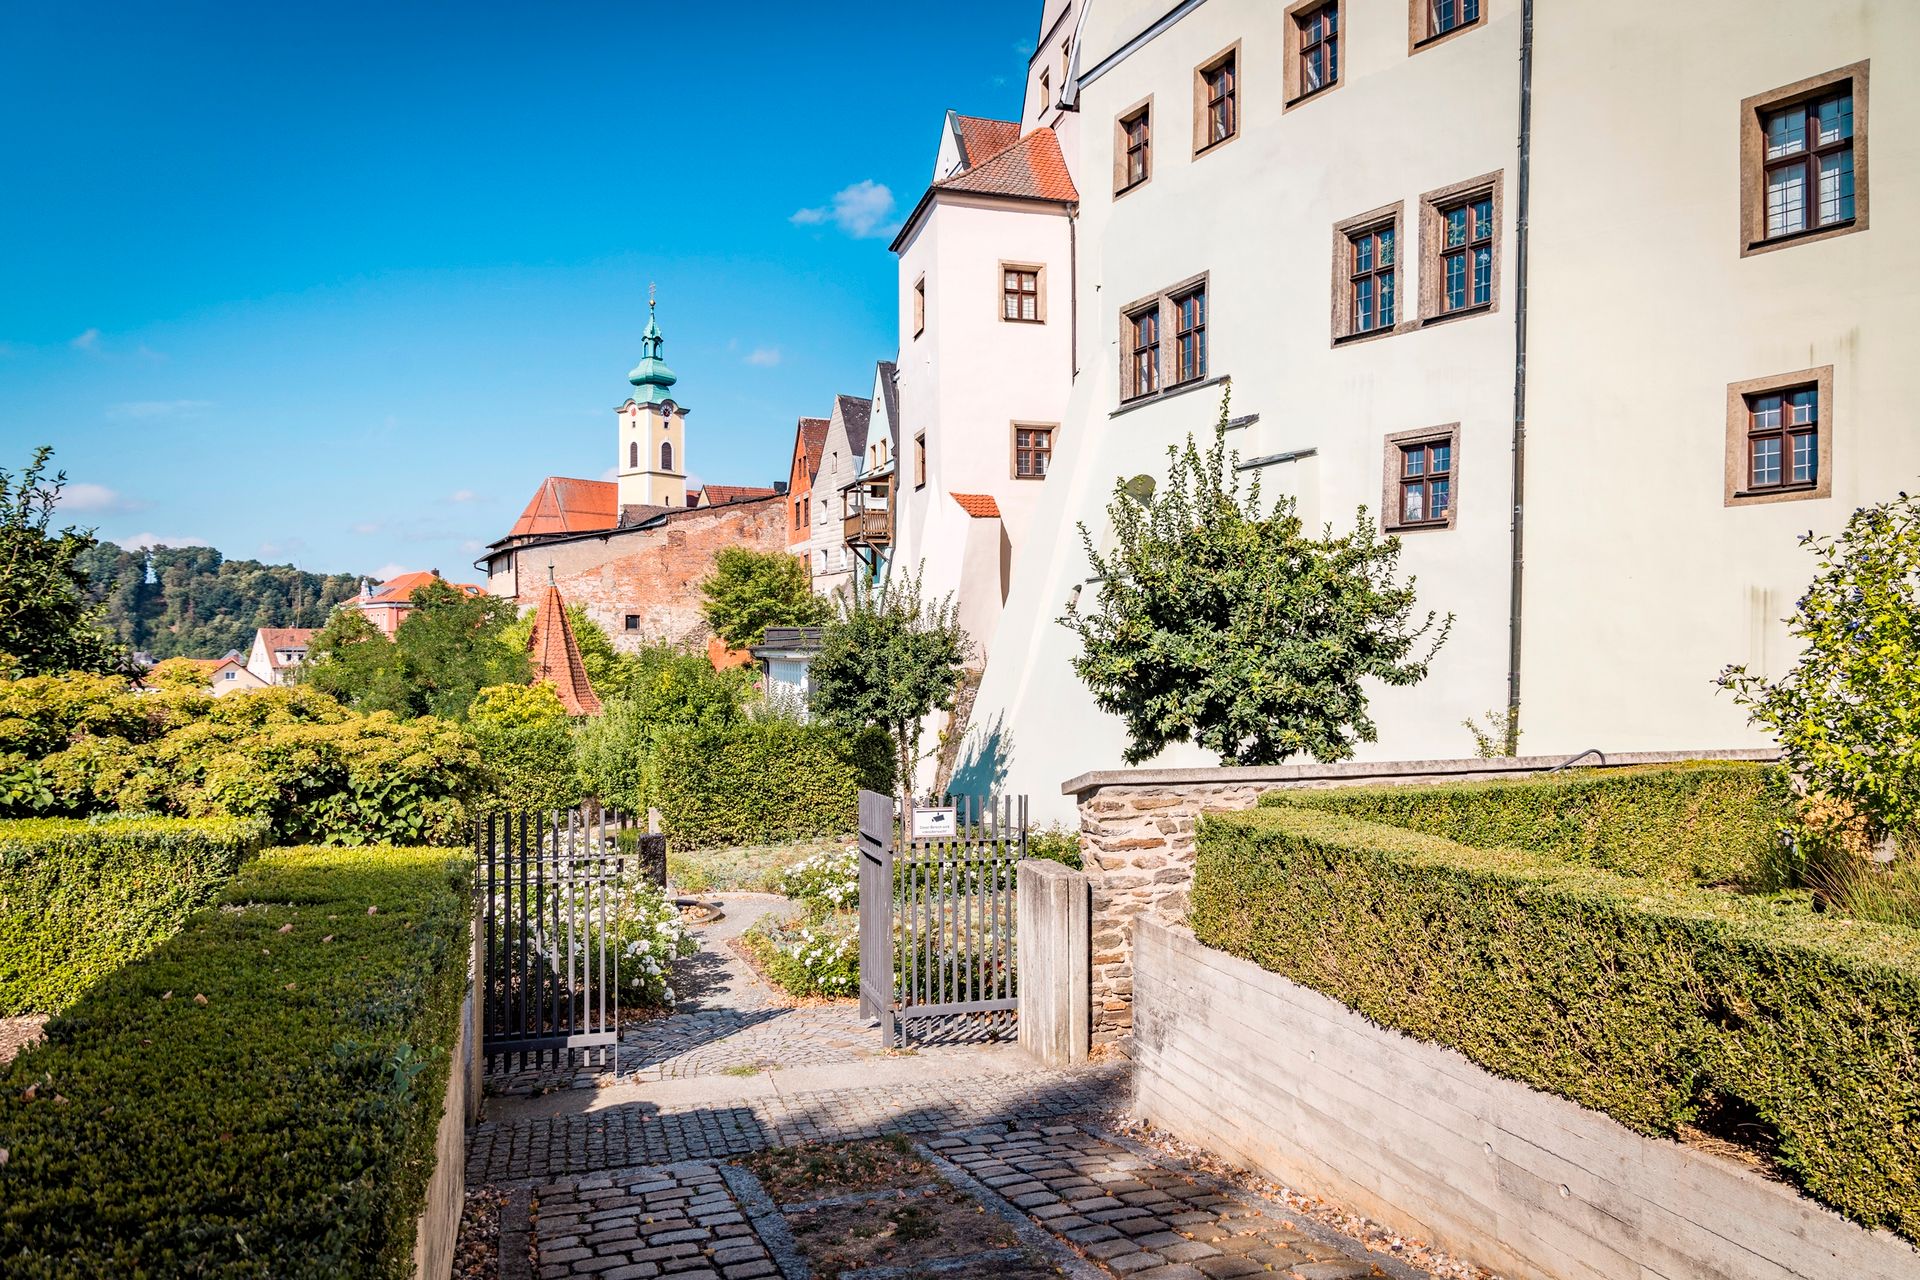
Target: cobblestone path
x,y
1015,1171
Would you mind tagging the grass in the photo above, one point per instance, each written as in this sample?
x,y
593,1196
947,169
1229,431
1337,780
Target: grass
x,y
740,868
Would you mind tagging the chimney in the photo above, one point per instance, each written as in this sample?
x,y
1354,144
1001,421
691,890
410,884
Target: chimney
x,y
780,486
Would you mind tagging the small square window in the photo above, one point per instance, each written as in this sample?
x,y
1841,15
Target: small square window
x,y
633,622
1778,437
1020,298
1032,451
1420,487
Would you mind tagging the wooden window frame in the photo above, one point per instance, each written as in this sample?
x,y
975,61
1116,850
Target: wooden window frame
x,y
1161,305
1386,217
1739,491
1046,93
1134,348
1295,88
1052,431
1421,36
1176,303
1122,144
1039,273
631,622
920,305
1203,100
920,460
1434,206
1753,158
1391,477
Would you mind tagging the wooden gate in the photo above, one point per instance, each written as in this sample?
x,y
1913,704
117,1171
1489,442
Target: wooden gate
x,y
551,886
937,913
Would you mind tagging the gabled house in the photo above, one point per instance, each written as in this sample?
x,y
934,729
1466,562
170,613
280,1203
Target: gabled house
x,y
842,459
387,605
867,502
809,445
277,653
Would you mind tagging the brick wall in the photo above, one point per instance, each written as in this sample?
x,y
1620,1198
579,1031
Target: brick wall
x,y
1136,840
651,573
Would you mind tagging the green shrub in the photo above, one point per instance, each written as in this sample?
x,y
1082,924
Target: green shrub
x,y
817,954
257,1097
78,899
526,739
828,881
1658,1004
1057,843
1706,823
740,868
763,782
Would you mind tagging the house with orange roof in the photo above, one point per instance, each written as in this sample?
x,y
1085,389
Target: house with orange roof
x,y
277,653
387,605
842,457
809,444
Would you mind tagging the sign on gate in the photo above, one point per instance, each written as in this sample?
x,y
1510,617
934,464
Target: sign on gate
x,y
551,888
937,913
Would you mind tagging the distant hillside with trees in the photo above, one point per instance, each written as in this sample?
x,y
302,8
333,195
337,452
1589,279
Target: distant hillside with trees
x,y
192,602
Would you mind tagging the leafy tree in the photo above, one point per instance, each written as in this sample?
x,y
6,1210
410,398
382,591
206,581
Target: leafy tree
x,y
353,660
669,690
889,660
1226,625
48,621
749,591
450,648
525,736
1848,713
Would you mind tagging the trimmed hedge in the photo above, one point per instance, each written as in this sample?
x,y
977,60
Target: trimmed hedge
x,y
258,1097
1708,823
1656,1003
764,782
80,898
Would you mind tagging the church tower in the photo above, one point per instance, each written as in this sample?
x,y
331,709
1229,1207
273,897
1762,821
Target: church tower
x,y
653,444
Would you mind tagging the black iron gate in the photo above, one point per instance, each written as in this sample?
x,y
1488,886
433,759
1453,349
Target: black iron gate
x,y
551,886
937,896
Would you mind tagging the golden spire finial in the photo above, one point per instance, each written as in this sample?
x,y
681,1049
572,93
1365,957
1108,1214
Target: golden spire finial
x,y
650,289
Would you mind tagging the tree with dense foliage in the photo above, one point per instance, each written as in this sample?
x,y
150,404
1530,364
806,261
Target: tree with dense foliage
x,y
193,602
1847,715
749,591
526,738
889,659
1226,625
669,689
447,650
48,621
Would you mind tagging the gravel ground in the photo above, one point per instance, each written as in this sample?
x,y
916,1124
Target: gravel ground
x,y
17,1033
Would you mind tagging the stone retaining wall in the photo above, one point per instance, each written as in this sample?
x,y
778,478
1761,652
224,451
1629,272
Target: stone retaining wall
x,y
1282,1080
1136,839
436,1232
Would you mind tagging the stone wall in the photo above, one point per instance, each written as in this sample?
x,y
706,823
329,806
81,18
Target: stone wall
x,y
436,1232
1136,839
1284,1081
651,573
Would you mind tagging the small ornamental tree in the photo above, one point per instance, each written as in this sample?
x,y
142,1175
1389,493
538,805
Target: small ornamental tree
x,y
749,591
1847,714
889,660
48,622
1226,625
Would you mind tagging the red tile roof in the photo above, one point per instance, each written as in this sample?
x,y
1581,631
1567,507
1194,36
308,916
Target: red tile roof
x,y
982,139
565,505
715,495
400,590
813,439
980,506
556,656
274,639
1032,168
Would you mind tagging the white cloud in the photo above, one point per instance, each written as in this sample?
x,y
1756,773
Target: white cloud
x,y
764,357
88,341
387,572
143,541
861,210
92,497
463,495
367,527
158,408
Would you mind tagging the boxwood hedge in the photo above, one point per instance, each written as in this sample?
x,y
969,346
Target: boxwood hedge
x,y
1705,822
763,782
1656,1003
257,1097
79,898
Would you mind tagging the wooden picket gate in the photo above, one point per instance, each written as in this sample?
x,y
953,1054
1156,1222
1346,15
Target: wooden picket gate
x,y
937,916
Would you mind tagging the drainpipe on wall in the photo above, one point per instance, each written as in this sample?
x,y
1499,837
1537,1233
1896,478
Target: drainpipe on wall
x,y
1523,192
1073,289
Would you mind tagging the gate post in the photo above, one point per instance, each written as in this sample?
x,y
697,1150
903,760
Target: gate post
x,y
1052,943
877,994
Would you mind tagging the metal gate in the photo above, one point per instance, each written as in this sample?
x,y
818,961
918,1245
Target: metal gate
x,y
550,886
937,913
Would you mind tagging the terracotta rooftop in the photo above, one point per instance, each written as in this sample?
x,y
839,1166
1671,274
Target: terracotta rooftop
x,y
813,439
980,506
1031,167
566,505
274,639
556,656
981,138
715,495
400,590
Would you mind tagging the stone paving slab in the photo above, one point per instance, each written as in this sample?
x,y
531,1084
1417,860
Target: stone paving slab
x,y
679,1220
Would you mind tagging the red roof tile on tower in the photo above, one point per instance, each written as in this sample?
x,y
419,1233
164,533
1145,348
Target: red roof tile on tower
x,y
980,506
556,656
565,505
1032,168
982,139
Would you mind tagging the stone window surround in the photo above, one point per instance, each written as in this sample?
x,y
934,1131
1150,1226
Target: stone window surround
x,y
1013,446
1417,38
1292,87
1162,299
1393,215
1432,228
1737,494
920,460
1039,272
1120,122
1201,144
920,305
1753,197
1390,478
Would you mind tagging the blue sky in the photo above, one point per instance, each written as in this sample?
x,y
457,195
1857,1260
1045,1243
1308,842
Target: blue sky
x,y
340,284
